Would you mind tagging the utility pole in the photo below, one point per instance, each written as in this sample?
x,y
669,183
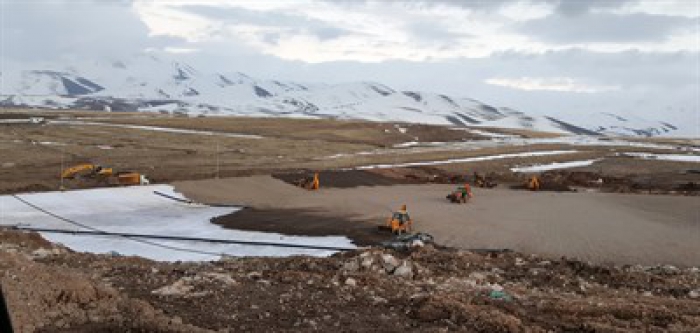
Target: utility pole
x,y
217,159
61,171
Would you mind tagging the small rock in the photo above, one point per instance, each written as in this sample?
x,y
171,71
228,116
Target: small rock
x,y
378,300
178,288
477,276
350,282
694,293
351,266
367,262
496,287
41,253
417,243
254,275
647,294
670,269
225,278
405,270
389,262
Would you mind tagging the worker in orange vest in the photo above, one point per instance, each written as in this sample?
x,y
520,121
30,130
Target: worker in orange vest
x,y
315,184
467,191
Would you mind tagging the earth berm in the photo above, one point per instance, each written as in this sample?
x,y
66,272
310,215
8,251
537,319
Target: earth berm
x,y
52,289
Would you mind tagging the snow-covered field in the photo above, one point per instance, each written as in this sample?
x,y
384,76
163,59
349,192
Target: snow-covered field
x,y
137,210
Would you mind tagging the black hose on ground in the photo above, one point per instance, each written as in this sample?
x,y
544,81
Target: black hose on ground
x,y
184,238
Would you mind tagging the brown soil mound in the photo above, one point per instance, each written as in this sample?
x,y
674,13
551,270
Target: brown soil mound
x,y
341,179
372,290
301,223
49,298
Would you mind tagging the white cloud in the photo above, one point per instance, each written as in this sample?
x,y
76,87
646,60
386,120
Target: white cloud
x,y
685,8
376,31
561,84
180,50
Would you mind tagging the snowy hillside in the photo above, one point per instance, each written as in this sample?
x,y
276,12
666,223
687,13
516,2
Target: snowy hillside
x,y
146,83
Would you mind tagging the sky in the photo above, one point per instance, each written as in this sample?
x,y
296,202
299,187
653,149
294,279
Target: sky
x,y
629,57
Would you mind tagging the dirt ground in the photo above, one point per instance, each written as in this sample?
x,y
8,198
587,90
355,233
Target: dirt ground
x,y
32,155
302,223
601,227
51,289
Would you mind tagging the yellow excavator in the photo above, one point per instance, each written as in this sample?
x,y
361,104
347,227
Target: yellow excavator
x,y
86,170
102,174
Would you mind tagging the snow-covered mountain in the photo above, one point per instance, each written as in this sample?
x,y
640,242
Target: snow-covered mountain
x,y
146,83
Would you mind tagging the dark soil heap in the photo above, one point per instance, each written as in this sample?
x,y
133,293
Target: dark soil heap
x,y
52,289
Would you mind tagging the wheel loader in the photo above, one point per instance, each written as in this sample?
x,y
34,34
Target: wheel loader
x,y
399,222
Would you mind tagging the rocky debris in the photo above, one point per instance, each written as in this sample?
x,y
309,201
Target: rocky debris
x,y
55,299
426,289
179,288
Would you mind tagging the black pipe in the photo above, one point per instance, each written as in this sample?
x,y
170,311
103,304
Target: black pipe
x,y
168,196
5,320
184,238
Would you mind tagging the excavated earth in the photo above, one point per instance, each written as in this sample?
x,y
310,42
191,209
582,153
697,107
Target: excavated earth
x,y
52,289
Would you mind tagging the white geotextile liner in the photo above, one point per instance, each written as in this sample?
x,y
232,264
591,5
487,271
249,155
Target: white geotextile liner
x,y
137,210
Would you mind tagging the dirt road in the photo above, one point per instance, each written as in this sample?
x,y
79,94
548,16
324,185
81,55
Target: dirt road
x,y
615,228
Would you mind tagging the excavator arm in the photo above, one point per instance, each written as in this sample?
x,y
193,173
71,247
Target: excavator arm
x,y
87,168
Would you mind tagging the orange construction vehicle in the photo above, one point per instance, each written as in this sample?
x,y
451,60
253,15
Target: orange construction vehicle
x,y
400,222
87,170
311,183
533,184
461,195
101,175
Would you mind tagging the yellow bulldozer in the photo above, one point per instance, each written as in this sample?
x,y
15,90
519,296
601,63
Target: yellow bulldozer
x,y
102,175
399,222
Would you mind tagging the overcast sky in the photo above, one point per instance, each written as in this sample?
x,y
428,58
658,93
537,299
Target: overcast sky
x,y
576,56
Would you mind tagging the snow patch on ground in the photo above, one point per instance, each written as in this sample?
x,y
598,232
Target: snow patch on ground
x,y
469,159
137,210
157,129
666,157
554,166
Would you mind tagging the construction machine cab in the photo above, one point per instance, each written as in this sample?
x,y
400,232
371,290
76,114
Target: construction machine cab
x,y
400,222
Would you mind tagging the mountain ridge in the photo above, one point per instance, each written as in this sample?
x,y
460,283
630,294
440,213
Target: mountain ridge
x,y
147,83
